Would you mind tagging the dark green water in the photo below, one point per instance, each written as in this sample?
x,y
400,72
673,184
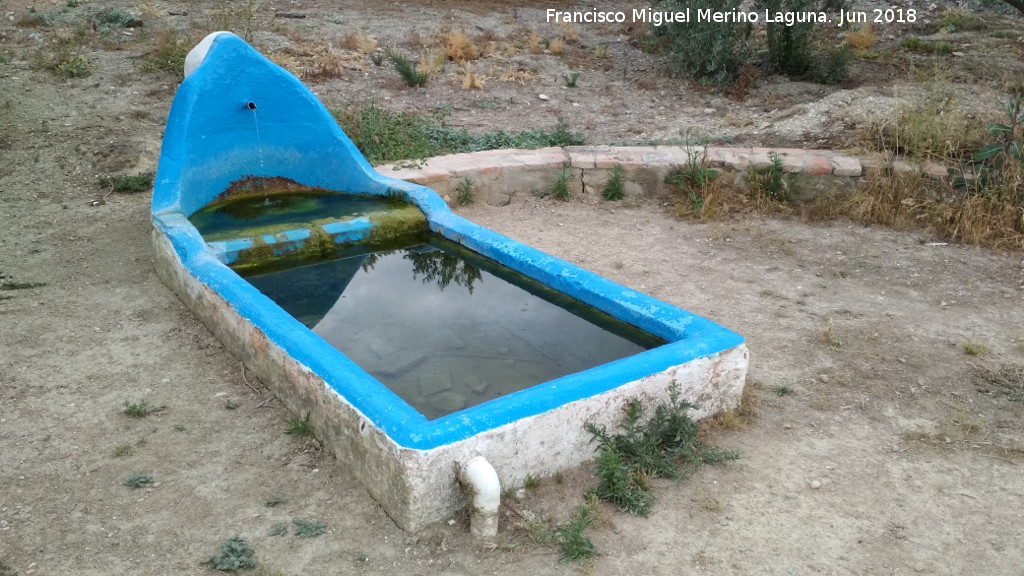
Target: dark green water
x,y
446,329
242,217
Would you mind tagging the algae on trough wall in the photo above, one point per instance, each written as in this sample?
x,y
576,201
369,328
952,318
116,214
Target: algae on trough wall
x,y
387,228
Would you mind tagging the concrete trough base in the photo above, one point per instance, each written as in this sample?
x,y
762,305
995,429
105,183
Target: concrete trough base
x,y
420,487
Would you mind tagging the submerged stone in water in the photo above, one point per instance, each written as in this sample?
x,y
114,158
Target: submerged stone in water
x,y
433,382
447,402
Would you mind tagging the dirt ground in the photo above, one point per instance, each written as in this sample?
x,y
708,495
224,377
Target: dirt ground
x,y
878,440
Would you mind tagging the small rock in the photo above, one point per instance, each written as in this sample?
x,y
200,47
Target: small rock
x,y
947,440
919,567
815,484
544,97
824,378
787,426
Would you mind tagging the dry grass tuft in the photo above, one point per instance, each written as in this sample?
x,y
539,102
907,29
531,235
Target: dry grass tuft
x,y
979,217
933,126
892,198
317,61
557,46
861,39
535,43
517,75
359,42
570,33
470,81
459,48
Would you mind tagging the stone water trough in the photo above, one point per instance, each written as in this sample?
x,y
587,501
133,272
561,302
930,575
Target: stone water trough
x,y
238,117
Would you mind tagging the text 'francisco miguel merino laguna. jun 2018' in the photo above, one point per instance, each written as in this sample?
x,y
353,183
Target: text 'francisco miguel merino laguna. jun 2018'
x,y
688,15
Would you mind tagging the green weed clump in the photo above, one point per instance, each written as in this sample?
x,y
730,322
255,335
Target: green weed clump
x,y
668,445
129,184
465,193
139,409
573,545
309,528
612,191
697,181
235,554
383,136
138,481
560,189
414,75
300,427
771,184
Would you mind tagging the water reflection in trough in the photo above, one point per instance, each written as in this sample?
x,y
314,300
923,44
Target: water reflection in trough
x,y
446,329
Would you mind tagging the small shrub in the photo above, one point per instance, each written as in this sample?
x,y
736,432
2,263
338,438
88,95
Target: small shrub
x,y
959,21
531,482
412,74
770,185
235,554
539,531
278,529
915,44
138,481
275,501
974,348
309,528
300,427
710,52
168,55
668,445
465,193
570,79
73,66
129,184
601,52
123,450
573,545
831,66
695,179
782,390
377,58
790,48
560,189
612,190
139,409
112,18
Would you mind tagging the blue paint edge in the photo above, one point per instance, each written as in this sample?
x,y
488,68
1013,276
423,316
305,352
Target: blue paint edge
x,y
194,169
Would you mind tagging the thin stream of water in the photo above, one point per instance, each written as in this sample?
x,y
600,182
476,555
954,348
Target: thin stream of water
x,y
259,148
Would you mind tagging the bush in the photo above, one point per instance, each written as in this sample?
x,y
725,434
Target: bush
x,y
383,136
709,52
792,50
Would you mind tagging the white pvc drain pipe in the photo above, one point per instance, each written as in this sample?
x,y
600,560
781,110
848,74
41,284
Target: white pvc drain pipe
x,y
479,477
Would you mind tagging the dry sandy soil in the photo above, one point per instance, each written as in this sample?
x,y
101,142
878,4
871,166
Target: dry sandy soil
x,y
893,453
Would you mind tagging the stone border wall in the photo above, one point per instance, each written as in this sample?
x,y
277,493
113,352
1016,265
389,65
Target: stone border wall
x,y
498,174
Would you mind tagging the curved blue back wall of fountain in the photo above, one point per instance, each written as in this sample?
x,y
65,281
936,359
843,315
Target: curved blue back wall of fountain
x,y
211,138
211,141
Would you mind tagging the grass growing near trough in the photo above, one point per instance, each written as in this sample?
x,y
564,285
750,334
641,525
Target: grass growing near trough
x,y
384,136
668,445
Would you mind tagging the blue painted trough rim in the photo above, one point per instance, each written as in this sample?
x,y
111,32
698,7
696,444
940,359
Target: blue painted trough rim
x,y
689,337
